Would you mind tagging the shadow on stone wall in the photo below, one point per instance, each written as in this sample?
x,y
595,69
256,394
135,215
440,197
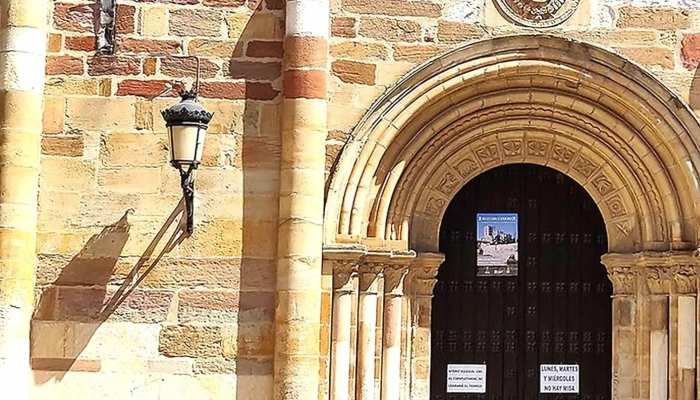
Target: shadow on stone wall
x,y
694,95
90,291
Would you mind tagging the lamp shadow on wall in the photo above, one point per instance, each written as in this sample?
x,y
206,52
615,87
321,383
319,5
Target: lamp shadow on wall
x,y
89,291
259,159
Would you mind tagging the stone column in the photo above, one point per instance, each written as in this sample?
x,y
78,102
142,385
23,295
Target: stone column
x,y
686,349
22,61
421,281
345,267
297,318
625,368
391,346
659,280
369,273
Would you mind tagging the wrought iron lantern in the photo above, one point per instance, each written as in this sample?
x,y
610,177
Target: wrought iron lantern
x,y
187,123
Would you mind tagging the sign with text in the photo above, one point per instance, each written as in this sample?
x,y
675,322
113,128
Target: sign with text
x,y
558,378
496,244
466,378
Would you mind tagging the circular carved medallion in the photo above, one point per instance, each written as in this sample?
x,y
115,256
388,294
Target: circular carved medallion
x,y
538,13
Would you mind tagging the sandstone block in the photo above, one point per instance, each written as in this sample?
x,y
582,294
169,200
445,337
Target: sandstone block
x,y
649,17
457,32
175,366
112,65
391,30
257,306
99,113
213,48
81,43
261,25
305,84
125,19
220,238
64,65
238,90
223,3
355,72
265,49
141,88
54,43
143,112
343,27
360,51
61,86
253,339
190,341
69,146
48,339
690,51
54,177
265,71
149,66
195,23
112,341
185,68
208,306
652,57
73,17
130,180
394,8
415,54
54,114
210,273
208,366
230,116
154,21
65,364
130,45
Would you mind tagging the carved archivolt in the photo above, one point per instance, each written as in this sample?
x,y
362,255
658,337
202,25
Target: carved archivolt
x,y
574,107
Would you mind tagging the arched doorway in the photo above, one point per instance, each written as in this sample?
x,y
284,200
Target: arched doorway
x,y
553,308
582,110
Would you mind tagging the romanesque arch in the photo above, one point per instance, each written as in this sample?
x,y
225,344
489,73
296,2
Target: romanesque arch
x,y
589,113
585,111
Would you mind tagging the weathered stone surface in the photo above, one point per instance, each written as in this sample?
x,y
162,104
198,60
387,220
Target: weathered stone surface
x,y
394,8
69,146
360,51
208,306
343,27
154,21
195,23
355,72
391,30
650,56
690,51
457,32
668,18
190,341
415,54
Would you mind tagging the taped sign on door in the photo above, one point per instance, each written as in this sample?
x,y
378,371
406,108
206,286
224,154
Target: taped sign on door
x,y
466,378
559,378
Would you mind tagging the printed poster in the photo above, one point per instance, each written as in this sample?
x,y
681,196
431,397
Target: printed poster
x,y
496,244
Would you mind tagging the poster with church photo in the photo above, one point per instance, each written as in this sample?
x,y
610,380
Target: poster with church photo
x,y
496,244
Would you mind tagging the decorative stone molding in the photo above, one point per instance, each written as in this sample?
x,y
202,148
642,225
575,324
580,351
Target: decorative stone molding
x,y
425,138
394,276
423,274
344,265
662,272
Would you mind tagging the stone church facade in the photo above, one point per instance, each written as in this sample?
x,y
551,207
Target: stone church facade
x,y
341,133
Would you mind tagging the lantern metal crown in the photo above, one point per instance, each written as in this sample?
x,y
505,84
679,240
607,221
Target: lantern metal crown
x,y
187,123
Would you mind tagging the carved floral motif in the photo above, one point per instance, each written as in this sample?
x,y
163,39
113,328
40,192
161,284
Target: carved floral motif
x,y
584,167
624,279
686,279
537,148
603,184
488,153
616,207
512,148
562,153
659,278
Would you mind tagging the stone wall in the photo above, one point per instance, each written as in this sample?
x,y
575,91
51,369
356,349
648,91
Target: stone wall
x,y
125,307
373,43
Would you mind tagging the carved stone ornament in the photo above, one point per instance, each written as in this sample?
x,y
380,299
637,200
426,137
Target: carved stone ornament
x,y
538,13
368,274
394,278
624,279
343,271
659,279
686,279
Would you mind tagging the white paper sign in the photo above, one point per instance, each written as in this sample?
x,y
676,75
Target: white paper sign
x,y
466,378
558,378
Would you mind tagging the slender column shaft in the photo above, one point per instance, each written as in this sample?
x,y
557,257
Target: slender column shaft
x,y
22,55
658,382
687,331
343,291
300,234
367,321
391,346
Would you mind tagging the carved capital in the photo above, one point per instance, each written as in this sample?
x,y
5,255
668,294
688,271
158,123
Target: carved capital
x,y
686,279
624,279
423,274
343,272
368,273
394,276
659,278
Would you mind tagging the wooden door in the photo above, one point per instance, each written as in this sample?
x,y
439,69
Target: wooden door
x,y
557,310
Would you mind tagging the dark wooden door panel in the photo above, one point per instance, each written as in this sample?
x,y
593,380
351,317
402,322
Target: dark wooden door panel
x,y
556,310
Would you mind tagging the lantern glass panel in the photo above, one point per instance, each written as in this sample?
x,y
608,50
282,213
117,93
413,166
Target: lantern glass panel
x,y
187,143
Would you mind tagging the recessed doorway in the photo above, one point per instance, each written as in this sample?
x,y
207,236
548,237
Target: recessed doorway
x,y
552,307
